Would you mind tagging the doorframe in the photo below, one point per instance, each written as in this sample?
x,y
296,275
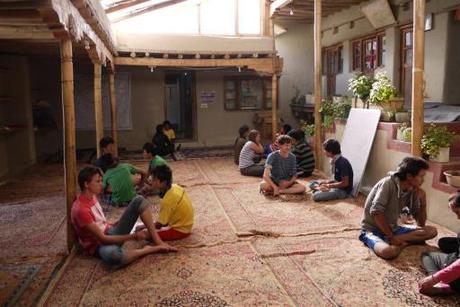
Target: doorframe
x,y
331,71
193,101
403,30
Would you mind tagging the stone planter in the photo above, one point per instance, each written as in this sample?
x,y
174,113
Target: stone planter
x,y
443,155
402,117
386,116
453,178
394,104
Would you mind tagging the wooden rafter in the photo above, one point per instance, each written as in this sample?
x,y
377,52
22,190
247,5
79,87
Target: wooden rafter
x,y
123,4
303,9
277,5
148,9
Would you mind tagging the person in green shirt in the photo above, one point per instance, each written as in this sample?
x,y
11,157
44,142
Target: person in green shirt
x,y
120,180
150,152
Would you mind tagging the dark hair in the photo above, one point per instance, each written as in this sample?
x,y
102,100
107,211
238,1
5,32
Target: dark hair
x,y
150,148
106,141
412,166
243,129
167,122
159,128
455,199
284,139
86,175
287,128
297,134
162,173
252,135
332,146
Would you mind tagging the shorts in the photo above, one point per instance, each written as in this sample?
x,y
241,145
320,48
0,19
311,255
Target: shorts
x,y
371,238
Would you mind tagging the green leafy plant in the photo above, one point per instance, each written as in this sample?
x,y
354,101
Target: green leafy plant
x,y
308,129
327,107
361,86
436,137
382,91
341,109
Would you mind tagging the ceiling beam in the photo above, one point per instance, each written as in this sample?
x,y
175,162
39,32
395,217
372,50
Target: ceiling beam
x,y
278,4
147,9
123,4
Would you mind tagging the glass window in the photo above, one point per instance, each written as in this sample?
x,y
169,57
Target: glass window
x,y
340,60
356,55
251,94
217,17
249,21
247,93
383,49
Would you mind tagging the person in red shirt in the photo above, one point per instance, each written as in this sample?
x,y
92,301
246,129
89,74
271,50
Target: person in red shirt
x,y
100,238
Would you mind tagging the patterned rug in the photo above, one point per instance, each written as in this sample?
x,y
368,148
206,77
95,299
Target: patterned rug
x,y
188,153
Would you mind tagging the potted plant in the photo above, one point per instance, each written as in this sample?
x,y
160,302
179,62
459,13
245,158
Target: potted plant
x,y
400,132
436,143
402,115
361,86
383,94
453,178
407,135
309,130
327,111
341,108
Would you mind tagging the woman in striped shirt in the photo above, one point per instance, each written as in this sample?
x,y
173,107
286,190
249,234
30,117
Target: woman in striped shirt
x,y
251,151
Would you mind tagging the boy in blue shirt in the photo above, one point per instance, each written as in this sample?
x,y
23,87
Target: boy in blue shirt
x,y
342,184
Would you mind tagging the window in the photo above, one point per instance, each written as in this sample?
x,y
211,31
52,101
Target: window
x,y
247,93
368,53
332,60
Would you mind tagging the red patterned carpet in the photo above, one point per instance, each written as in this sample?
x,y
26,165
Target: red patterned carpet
x,y
245,249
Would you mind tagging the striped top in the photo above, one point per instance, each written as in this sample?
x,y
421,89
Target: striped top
x,y
305,158
281,168
247,155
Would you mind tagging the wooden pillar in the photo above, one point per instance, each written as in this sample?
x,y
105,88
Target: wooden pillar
x,y
317,92
417,77
274,105
113,109
98,117
70,158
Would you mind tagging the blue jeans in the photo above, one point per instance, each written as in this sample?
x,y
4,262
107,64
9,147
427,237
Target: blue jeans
x,y
114,254
329,195
371,238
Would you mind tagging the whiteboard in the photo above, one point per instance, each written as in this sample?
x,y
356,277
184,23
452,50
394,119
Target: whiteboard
x,y
84,101
357,141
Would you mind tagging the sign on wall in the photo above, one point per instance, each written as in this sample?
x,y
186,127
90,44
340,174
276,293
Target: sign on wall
x,y
208,97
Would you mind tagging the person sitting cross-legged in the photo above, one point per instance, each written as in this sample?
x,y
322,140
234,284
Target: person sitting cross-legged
x,y
280,172
380,230
102,239
443,267
108,147
341,185
302,152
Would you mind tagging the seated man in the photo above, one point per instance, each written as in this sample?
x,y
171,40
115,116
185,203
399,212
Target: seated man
x,y
175,219
150,152
107,147
302,152
162,143
120,179
100,238
379,227
280,172
342,184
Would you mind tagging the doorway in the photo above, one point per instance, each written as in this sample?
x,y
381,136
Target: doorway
x,y
180,103
334,66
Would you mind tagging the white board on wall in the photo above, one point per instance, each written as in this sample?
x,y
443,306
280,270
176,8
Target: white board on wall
x,y
84,101
357,141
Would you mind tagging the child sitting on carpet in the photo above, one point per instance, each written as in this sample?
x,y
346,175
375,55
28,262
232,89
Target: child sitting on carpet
x,y
149,152
249,155
170,133
102,239
107,147
341,185
175,219
120,180
443,267
280,172
240,141
302,152
269,148
162,143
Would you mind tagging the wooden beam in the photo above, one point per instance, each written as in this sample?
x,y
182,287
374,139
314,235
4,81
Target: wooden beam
x,y
267,65
124,4
70,158
417,77
278,4
25,32
274,105
147,9
318,87
98,116
113,110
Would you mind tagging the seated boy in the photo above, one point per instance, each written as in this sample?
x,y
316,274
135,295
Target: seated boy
x,y
108,147
169,132
149,152
162,143
342,184
243,132
280,172
120,179
102,239
302,152
269,148
175,219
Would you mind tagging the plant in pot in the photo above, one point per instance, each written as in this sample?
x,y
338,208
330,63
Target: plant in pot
x,y
382,94
342,109
436,143
361,85
327,111
400,134
308,129
402,115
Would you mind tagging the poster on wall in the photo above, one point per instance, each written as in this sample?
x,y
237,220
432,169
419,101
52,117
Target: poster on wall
x,y
208,97
84,101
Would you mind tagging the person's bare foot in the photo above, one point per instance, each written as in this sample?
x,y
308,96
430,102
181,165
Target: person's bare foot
x,y
153,249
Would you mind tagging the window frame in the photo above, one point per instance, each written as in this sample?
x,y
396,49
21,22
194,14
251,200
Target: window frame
x,y
238,80
325,59
357,63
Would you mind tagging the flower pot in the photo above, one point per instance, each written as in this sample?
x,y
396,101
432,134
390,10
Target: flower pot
x,y
443,155
400,134
386,116
394,104
407,135
453,178
402,117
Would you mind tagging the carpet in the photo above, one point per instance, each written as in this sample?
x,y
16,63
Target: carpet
x,y
187,153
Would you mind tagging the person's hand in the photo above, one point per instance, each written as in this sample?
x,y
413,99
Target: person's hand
x,y
168,248
324,187
396,241
276,191
427,283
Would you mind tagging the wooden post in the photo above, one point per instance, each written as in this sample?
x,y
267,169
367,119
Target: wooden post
x,y
113,109
274,105
417,77
70,158
98,117
317,94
